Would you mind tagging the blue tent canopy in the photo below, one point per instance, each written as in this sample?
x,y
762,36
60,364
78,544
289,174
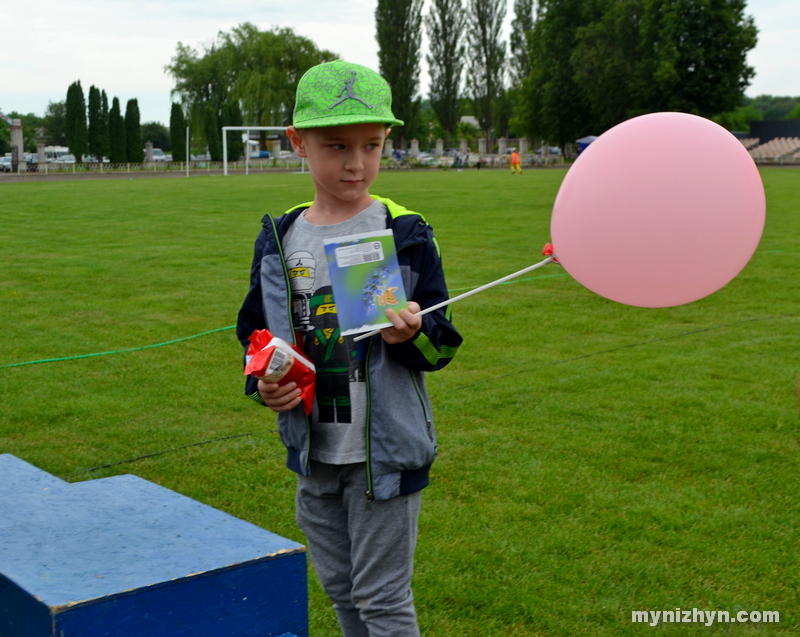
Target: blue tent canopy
x,y
583,142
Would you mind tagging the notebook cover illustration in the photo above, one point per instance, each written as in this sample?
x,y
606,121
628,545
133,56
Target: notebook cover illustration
x,y
366,281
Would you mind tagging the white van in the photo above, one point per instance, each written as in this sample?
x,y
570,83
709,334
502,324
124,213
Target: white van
x,y
54,153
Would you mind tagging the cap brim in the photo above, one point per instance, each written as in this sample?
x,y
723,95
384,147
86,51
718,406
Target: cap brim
x,y
345,120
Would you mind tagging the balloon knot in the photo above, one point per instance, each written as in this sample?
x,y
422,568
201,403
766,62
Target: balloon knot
x,y
548,251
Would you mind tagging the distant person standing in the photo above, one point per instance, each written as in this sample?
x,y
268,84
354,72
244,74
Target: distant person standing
x,y
515,162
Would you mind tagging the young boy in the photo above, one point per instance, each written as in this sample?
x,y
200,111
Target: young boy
x,y
364,454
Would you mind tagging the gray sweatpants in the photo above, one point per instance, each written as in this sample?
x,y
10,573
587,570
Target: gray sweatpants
x,y
364,556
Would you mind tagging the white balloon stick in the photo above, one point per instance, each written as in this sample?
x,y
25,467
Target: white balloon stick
x,y
466,294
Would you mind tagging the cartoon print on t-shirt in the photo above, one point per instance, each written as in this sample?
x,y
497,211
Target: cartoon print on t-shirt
x,y
339,361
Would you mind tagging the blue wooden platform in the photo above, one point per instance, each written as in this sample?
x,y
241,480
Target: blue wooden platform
x,y
123,557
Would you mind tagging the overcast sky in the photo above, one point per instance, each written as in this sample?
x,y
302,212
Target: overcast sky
x,y
122,46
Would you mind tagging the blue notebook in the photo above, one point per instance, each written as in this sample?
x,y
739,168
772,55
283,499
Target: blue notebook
x,y
366,281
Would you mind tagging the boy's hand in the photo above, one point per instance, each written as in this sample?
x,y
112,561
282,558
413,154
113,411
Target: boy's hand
x,y
404,325
279,397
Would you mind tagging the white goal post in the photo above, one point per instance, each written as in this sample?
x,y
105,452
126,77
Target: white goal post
x,y
225,129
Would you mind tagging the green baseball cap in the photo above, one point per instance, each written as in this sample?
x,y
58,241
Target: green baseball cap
x,y
339,93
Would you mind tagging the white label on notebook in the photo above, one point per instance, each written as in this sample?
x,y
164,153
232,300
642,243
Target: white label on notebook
x,y
359,254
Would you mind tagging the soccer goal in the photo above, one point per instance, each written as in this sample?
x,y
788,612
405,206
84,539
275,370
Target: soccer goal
x,y
246,136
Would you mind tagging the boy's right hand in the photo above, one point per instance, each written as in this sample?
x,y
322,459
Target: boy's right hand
x,y
279,397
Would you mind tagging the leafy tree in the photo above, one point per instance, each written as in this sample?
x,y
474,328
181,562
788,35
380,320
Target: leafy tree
x,y
266,68
468,131
213,133
503,113
5,138
177,133
53,124
552,106
133,133
118,149
157,134
521,25
696,60
594,64
607,52
487,55
445,25
75,127
739,119
794,113
31,127
399,36
258,69
772,106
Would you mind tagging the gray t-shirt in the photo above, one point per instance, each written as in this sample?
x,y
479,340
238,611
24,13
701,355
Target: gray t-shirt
x,y
339,418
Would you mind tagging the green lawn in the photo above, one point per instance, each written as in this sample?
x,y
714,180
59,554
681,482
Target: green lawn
x,y
595,459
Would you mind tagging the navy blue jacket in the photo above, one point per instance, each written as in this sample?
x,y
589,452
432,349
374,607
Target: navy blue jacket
x,y
400,436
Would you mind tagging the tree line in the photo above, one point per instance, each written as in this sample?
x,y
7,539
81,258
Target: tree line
x,y
570,68
101,132
90,128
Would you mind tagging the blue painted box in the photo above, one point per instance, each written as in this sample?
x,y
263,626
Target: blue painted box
x,y
125,557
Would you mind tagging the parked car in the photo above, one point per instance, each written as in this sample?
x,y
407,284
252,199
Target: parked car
x,y
427,159
5,164
65,159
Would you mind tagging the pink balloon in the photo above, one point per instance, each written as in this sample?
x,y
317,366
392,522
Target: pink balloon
x,y
661,210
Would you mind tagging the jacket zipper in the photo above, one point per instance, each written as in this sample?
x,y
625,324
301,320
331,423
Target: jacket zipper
x,y
428,420
368,493
291,325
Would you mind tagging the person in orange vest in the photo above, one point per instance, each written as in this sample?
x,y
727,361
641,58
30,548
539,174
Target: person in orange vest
x,y
515,162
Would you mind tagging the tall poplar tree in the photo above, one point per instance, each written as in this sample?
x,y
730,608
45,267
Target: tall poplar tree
x,y
177,132
399,36
445,26
521,26
118,150
487,55
75,128
98,123
133,132
105,148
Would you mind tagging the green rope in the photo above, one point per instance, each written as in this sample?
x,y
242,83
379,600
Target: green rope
x,y
221,329
118,351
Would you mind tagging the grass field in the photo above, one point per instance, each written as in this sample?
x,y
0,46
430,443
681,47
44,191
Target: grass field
x,y
595,459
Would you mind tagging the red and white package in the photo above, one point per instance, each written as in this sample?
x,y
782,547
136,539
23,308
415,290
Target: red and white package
x,y
273,360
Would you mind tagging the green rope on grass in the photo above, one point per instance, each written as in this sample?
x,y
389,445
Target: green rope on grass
x,y
118,351
186,338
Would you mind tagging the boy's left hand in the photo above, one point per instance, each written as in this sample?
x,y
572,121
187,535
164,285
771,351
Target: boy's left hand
x,y
404,325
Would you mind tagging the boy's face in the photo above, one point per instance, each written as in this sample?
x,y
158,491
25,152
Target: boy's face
x,y
343,160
